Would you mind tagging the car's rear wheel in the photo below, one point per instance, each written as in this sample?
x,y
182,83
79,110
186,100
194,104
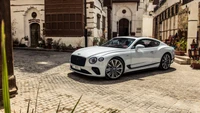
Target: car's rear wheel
x,y
165,61
114,68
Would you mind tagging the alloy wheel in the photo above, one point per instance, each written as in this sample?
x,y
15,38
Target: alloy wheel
x,y
165,62
114,69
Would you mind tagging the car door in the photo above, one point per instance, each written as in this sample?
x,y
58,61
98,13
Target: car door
x,y
142,57
153,48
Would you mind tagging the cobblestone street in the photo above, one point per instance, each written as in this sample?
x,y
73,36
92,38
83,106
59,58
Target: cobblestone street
x,y
151,91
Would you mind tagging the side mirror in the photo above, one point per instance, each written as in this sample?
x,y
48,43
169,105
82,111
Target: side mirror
x,y
139,46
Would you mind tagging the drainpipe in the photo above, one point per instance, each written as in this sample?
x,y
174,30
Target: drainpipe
x,y
85,26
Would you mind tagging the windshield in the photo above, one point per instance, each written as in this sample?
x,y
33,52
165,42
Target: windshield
x,y
119,42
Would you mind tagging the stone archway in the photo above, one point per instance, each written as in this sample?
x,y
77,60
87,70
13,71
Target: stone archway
x,y
124,27
35,34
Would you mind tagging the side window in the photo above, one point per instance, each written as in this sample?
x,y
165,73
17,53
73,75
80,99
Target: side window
x,y
142,42
147,43
153,43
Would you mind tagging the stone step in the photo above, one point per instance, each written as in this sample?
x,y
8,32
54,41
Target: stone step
x,y
183,57
181,61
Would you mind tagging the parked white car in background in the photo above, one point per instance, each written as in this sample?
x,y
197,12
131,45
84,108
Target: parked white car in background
x,y
121,55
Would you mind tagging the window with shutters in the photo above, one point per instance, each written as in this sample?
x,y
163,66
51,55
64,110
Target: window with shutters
x,y
64,18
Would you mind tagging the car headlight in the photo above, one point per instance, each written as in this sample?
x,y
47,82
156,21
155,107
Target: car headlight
x,y
93,60
100,59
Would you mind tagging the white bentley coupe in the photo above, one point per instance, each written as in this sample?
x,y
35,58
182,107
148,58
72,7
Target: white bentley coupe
x,y
121,55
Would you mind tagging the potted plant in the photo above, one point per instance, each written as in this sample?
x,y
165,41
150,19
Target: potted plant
x,y
195,64
95,41
55,44
181,46
102,41
49,43
41,43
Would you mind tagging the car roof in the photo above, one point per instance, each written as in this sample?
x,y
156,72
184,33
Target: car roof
x,y
136,37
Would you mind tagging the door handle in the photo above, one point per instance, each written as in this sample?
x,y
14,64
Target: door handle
x,y
152,52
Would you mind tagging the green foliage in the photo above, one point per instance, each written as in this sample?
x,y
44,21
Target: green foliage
x,y
36,100
58,107
56,44
76,104
5,84
102,41
195,61
49,42
28,105
181,44
95,41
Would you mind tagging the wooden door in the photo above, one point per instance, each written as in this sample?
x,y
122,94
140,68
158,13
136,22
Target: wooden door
x,y
35,34
124,27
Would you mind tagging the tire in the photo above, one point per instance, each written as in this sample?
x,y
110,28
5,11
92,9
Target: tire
x,y
114,68
165,62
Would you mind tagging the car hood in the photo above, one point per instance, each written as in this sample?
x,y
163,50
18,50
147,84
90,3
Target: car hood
x,y
95,50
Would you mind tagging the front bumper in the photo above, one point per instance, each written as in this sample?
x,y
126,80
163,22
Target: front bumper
x,y
88,70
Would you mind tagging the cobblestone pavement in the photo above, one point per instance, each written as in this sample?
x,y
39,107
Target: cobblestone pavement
x,y
151,91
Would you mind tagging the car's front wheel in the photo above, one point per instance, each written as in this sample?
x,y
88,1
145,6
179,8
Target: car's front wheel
x,y
114,68
165,62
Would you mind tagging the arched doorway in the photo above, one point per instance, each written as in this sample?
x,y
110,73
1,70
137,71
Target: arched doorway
x,y
124,27
35,34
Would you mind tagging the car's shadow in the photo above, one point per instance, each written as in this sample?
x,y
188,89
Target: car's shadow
x,y
135,75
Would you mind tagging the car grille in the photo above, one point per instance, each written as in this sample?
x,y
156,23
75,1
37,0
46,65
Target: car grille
x,y
77,60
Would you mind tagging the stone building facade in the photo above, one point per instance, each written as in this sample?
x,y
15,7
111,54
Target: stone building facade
x,y
165,19
42,19
27,20
171,17
126,18
66,21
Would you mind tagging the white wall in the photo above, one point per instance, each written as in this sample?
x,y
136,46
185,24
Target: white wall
x,y
21,11
147,26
